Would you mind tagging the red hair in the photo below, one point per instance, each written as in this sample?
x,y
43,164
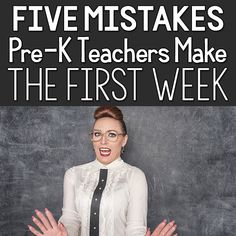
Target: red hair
x,y
112,112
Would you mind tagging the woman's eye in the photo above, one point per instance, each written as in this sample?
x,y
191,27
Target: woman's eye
x,y
97,134
112,134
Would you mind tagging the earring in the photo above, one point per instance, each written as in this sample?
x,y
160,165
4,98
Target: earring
x,y
122,149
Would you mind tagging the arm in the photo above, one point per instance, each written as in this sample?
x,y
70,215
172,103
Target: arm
x,y
137,208
70,217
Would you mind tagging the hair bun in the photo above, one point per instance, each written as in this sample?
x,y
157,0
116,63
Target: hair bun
x,y
110,111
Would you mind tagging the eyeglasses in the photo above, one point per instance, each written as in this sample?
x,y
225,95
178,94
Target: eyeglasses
x,y
110,135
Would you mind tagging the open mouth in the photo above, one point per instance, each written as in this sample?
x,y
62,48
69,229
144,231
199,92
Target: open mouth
x,y
105,152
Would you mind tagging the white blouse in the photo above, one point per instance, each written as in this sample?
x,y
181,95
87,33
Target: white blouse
x,y
123,207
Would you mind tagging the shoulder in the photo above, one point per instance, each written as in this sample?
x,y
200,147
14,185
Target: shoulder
x,y
134,172
136,178
85,166
72,172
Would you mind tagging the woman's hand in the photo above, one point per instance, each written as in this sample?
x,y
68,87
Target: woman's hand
x,y
47,224
163,229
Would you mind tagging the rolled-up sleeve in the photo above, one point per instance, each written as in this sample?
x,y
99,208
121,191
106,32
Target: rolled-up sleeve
x,y
137,208
70,217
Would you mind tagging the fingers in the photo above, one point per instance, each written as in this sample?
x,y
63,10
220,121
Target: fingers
x,y
148,233
50,218
159,228
39,224
43,219
62,229
34,231
169,229
164,229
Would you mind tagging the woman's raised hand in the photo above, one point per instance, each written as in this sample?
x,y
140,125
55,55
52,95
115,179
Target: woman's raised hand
x,y
163,229
47,225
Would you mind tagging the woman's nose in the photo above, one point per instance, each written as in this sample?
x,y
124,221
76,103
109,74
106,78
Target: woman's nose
x,y
103,139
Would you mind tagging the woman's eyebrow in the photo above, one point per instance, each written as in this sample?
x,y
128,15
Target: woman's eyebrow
x,y
106,130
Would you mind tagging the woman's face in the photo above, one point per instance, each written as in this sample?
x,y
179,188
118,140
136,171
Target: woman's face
x,y
107,151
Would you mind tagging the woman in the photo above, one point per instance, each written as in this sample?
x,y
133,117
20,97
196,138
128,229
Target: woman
x,y
107,196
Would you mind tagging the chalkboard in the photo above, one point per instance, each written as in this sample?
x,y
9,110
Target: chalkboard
x,y
187,153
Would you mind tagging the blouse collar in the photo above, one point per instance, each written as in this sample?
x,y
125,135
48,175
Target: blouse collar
x,y
113,165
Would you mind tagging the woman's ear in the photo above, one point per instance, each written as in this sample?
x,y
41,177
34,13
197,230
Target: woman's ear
x,y
125,140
